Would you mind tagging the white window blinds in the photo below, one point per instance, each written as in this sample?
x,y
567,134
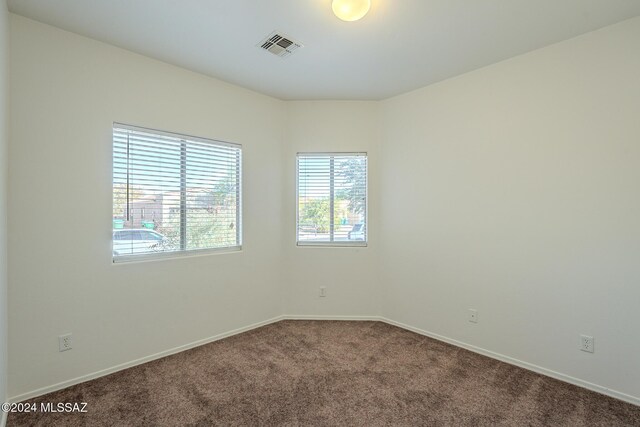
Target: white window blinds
x,y
332,199
173,193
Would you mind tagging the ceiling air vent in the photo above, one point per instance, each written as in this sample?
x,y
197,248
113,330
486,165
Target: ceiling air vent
x,y
279,44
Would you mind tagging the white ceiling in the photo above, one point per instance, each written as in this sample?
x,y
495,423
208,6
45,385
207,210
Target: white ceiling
x,y
399,46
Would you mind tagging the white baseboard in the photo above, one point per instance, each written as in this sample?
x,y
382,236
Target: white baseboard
x,y
526,365
330,317
3,420
120,367
529,366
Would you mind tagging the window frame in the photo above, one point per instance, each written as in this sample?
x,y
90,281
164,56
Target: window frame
x,y
333,243
181,253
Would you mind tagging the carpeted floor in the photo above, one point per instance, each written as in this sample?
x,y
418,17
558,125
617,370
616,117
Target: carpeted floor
x,y
330,373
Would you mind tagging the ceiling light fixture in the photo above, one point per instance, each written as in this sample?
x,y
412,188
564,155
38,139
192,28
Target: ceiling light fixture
x,y
350,10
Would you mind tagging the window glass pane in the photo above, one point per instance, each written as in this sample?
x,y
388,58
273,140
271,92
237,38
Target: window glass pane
x,y
174,193
313,198
351,198
211,198
332,198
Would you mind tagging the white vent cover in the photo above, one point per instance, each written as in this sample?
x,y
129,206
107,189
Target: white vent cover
x,y
279,44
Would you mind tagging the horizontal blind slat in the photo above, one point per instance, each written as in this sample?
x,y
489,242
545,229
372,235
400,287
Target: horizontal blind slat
x,y
173,181
321,176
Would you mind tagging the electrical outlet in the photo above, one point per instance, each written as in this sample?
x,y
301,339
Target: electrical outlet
x,y
65,342
473,315
586,343
323,291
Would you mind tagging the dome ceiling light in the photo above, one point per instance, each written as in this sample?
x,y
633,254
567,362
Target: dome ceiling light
x,y
350,10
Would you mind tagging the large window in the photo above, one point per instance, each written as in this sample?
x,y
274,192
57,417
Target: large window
x,y
173,194
332,199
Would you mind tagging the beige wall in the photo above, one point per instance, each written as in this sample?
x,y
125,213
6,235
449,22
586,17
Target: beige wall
x,y
66,92
4,117
521,186
347,273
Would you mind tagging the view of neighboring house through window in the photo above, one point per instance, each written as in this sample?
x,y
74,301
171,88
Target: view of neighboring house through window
x,y
173,193
332,199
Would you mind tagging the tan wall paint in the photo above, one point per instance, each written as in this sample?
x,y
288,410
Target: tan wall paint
x,y
521,185
347,273
4,138
66,92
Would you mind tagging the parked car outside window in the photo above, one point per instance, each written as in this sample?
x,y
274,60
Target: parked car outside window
x,y
129,242
356,233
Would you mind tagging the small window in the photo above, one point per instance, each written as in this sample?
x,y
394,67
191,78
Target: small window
x,y
332,199
174,194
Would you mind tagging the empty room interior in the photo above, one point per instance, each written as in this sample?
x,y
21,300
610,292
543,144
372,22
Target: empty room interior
x,y
320,212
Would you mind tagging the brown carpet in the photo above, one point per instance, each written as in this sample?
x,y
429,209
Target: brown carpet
x,y
331,373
